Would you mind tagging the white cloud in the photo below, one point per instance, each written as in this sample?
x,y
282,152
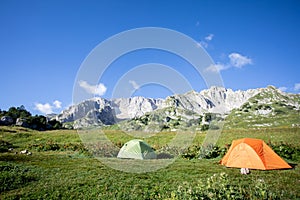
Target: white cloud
x,y
57,104
209,37
98,89
283,89
44,108
205,43
237,60
297,86
217,67
47,108
134,84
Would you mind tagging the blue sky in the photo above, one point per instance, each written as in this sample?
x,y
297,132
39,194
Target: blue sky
x,y
43,44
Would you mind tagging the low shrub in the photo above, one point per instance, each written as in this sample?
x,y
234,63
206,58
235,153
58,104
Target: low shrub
x,y
53,146
48,146
106,150
287,151
203,152
192,152
14,176
209,151
219,186
171,151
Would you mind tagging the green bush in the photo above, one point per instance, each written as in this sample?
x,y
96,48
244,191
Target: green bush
x,y
103,149
48,146
53,146
287,151
209,151
203,152
169,152
192,152
219,186
13,176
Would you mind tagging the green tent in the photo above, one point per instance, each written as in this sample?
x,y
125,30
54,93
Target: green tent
x,y
136,149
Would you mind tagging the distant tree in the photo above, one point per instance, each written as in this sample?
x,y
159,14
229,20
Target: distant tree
x,y
37,122
54,124
13,112
19,112
23,113
2,112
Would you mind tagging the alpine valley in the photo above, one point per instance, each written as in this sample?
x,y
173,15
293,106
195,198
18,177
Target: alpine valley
x,y
262,107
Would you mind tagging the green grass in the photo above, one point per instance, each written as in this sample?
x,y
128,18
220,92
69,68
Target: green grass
x,y
21,137
73,175
282,134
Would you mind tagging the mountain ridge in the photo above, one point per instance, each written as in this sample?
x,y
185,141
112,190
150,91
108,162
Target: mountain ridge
x,y
219,100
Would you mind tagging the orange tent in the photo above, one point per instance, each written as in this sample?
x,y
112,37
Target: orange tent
x,y
253,154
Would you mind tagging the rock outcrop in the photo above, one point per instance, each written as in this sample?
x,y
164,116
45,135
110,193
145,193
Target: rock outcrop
x,y
218,100
6,120
22,122
127,108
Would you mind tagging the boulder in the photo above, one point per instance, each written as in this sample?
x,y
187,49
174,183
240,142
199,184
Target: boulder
x,y
24,151
6,120
22,122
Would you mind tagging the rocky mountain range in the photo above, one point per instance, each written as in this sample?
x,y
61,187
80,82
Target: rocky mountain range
x,y
192,109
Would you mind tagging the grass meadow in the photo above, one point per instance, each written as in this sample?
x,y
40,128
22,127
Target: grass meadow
x,y
66,171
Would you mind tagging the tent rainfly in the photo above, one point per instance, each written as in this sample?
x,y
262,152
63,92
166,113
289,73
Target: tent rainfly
x,y
136,149
253,154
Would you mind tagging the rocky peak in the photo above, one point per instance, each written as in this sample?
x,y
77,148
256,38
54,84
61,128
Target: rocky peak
x,y
213,100
127,108
226,99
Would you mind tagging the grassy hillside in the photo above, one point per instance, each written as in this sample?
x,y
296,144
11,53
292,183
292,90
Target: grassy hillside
x,y
69,172
266,109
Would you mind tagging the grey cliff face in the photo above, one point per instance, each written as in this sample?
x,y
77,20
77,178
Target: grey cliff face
x,y
127,108
99,111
